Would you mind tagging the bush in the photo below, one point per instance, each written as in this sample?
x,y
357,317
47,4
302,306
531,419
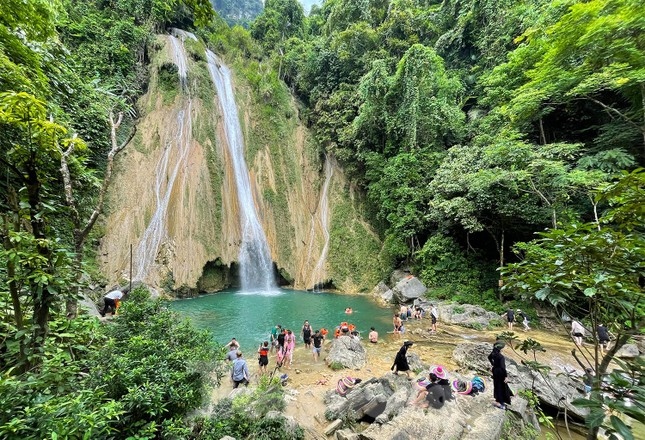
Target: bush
x,y
450,273
245,416
336,366
56,397
155,364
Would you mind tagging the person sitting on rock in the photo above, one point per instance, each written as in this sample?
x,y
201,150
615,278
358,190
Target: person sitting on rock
x,y
432,395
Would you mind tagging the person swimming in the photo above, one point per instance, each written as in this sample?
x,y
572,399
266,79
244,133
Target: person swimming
x,y
348,310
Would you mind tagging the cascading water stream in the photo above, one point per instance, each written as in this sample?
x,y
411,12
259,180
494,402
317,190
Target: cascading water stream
x,y
317,274
176,149
256,266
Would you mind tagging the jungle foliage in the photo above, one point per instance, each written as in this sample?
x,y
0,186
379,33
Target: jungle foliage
x,y
480,122
467,125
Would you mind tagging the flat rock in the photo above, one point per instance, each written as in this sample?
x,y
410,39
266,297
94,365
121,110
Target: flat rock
x,y
333,426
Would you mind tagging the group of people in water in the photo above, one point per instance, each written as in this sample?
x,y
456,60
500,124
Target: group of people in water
x,y
406,313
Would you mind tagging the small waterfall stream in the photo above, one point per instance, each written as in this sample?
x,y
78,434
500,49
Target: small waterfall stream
x,y
256,266
173,157
318,273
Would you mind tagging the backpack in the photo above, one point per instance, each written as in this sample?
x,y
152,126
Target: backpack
x,y
478,385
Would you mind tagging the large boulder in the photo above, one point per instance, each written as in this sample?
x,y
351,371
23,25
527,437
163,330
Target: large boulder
x,y
398,275
473,356
466,315
553,390
640,343
408,289
628,351
387,404
348,352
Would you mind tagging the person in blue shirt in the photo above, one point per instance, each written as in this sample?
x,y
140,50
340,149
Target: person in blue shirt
x,y
240,371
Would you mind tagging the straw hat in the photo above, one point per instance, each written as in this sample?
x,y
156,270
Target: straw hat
x,y
439,371
462,386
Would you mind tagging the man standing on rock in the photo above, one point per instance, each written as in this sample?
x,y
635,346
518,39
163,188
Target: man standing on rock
x,y
317,340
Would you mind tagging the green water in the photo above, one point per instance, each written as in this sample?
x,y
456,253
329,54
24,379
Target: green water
x,y
249,317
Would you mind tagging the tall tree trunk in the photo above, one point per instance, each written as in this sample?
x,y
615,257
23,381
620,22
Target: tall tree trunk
x,y
41,296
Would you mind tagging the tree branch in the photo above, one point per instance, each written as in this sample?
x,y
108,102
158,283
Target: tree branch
x,y
67,183
116,148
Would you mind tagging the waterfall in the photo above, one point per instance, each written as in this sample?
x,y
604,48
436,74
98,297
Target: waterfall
x,y
318,273
173,157
256,266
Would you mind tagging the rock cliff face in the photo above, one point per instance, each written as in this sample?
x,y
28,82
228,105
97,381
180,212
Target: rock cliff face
x,y
175,177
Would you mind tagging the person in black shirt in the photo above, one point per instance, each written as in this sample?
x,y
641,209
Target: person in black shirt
x,y
525,320
501,392
401,360
510,317
306,334
603,337
318,340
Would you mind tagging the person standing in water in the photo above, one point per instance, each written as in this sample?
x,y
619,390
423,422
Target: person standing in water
x,y
396,321
306,334
603,337
373,336
500,376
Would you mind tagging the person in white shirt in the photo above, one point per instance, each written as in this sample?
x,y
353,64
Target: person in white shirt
x,y
578,332
110,300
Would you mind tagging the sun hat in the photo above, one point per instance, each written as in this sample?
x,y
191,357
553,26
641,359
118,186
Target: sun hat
x,y
499,344
439,371
462,386
348,381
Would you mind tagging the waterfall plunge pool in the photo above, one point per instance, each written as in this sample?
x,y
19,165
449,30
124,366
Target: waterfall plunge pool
x,y
250,316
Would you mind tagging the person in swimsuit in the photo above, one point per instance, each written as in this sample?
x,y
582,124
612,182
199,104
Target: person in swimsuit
x,y
263,356
306,334
396,321
373,336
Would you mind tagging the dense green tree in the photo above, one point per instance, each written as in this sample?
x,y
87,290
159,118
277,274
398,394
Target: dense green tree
x,y
280,20
592,52
594,271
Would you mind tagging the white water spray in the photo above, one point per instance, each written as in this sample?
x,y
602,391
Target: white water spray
x,y
173,157
256,266
318,272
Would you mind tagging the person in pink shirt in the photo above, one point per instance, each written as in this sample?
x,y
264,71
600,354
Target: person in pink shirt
x,y
289,345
